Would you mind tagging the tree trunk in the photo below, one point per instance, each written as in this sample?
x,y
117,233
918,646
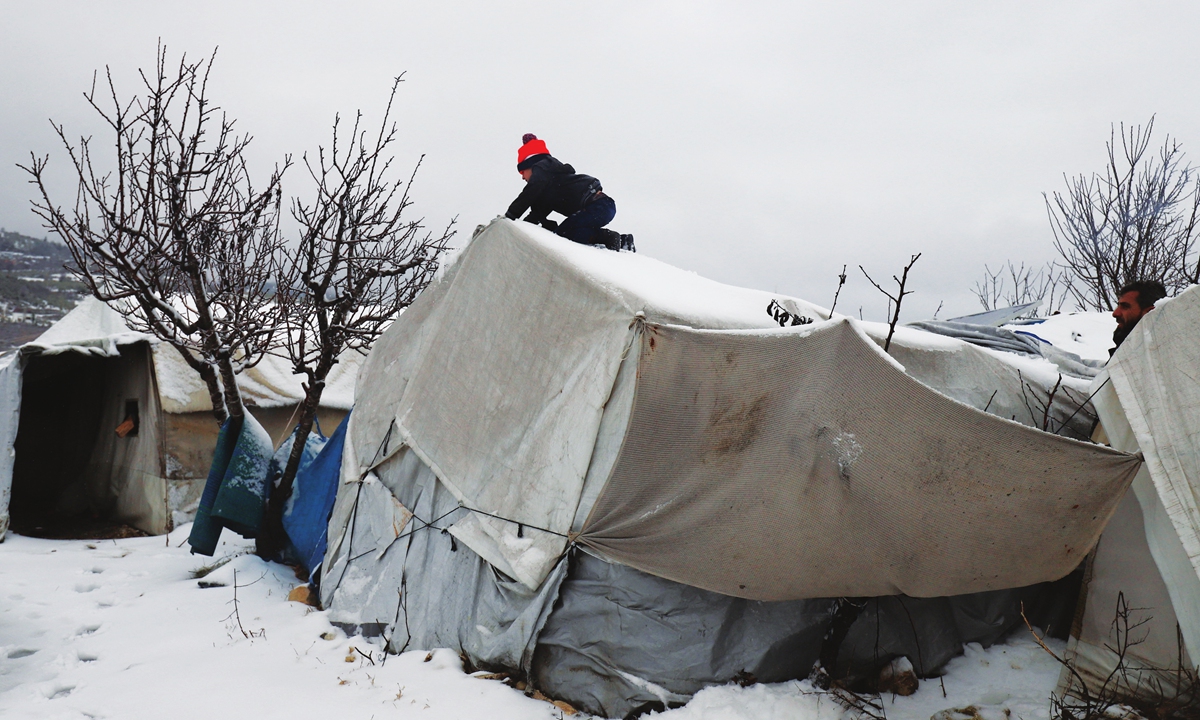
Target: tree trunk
x,y
209,376
214,392
233,396
272,538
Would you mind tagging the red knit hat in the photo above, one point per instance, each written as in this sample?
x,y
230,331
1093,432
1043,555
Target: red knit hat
x,y
532,146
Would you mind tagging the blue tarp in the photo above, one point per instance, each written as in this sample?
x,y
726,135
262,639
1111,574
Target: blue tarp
x,y
312,447
235,494
306,517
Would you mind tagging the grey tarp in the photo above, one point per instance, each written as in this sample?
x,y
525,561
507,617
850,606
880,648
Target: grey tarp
x,y
620,639
1011,341
982,335
814,467
609,639
391,568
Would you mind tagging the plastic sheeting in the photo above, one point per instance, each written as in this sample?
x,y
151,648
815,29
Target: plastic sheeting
x,y
235,495
1148,399
306,517
607,638
812,467
524,456
389,569
1156,376
525,336
620,639
1018,342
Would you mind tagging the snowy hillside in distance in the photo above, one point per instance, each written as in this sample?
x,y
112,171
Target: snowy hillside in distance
x,y
121,629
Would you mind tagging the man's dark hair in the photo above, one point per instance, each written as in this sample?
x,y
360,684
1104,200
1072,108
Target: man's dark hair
x,y
1149,291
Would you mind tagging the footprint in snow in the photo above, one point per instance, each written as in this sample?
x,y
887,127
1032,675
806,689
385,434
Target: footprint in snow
x,y
86,630
85,587
87,657
59,691
20,653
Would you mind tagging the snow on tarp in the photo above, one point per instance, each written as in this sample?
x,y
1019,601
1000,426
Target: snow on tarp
x,y
91,327
235,495
1087,334
501,377
270,383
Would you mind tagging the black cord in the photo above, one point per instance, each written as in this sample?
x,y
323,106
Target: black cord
x,y
1085,402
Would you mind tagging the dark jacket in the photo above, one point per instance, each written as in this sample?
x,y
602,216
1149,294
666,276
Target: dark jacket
x,y
552,187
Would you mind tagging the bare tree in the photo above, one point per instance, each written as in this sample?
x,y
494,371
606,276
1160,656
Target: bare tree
x,y
176,239
1137,221
1021,285
360,261
894,301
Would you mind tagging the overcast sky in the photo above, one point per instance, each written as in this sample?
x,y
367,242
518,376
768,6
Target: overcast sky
x,y
763,144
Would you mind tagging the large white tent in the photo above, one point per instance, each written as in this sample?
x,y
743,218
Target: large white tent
x,y
552,423
64,394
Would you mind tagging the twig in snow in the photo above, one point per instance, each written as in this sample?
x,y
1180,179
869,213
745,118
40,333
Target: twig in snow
x,y
262,632
894,301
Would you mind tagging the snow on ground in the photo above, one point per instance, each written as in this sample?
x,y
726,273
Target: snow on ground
x,y
1004,682
122,629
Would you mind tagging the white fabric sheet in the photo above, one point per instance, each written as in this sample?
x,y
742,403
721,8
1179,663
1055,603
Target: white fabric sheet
x,y
1152,403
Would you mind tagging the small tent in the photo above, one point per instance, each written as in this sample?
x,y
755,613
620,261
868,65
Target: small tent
x,y
66,394
626,481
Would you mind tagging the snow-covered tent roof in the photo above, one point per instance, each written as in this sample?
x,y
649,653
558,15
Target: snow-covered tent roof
x,y
557,439
94,327
610,400
166,389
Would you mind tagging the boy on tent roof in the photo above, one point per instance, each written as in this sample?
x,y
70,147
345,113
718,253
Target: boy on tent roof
x,y
552,186
1133,302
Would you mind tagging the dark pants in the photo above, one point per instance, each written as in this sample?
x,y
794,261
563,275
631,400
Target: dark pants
x,y
582,226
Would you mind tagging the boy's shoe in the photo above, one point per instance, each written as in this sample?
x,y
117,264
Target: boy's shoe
x,y
627,243
607,238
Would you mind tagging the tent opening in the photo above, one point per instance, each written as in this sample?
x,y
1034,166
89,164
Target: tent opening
x,y
61,410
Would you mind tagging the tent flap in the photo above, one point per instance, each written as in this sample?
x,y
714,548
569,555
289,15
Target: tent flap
x,y
815,468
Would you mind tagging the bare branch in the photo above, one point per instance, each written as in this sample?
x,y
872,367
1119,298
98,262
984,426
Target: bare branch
x,y
176,237
359,261
894,301
1137,221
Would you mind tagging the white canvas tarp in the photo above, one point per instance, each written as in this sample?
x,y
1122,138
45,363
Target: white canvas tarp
x,y
1148,400
814,467
516,379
